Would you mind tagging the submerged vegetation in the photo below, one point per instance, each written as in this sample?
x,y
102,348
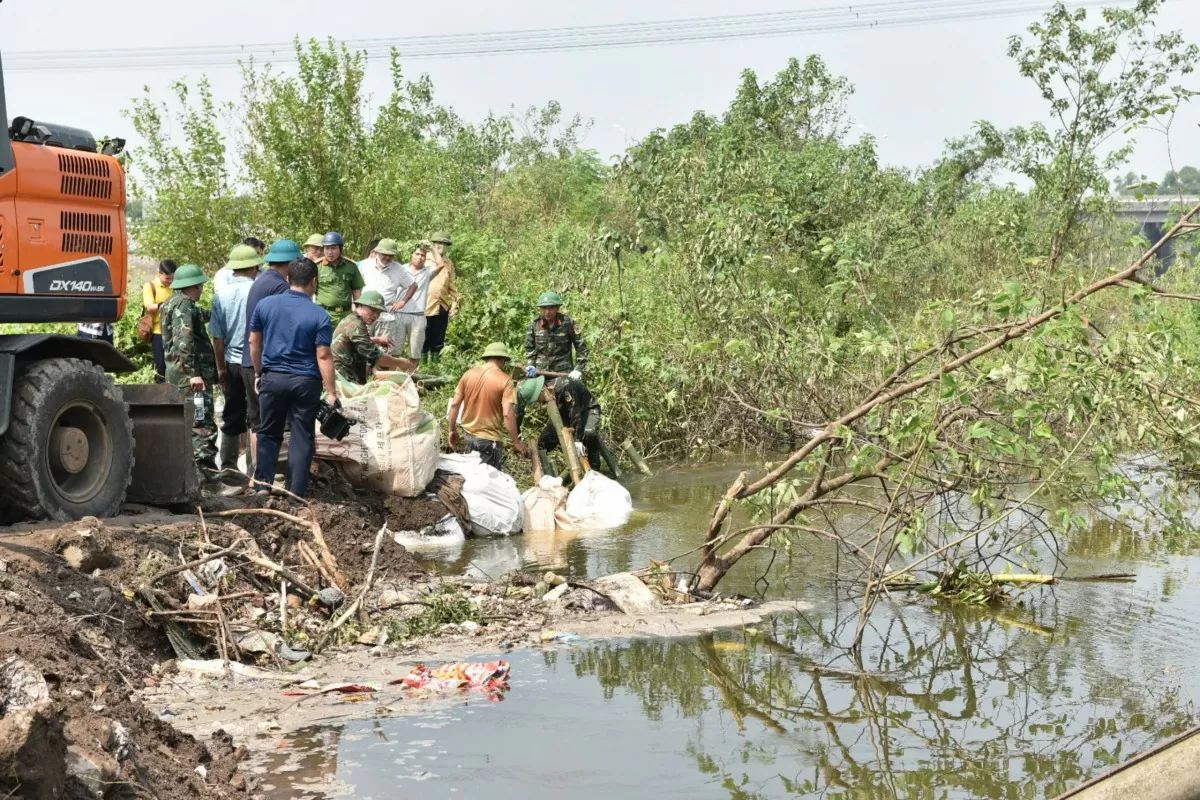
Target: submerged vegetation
x,y
962,353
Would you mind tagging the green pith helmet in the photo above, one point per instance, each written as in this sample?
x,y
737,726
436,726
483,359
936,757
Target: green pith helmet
x,y
441,237
243,256
549,298
531,389
371,299
387,246
190,275
314,241
496,350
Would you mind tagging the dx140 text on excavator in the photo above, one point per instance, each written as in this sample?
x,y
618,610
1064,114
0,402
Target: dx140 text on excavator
x,y
72,442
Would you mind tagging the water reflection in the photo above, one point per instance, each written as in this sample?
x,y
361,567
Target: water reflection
x,y
951,702
947,701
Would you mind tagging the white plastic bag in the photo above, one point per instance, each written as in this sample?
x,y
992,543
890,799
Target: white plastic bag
x,y
394,448
491,496
599,502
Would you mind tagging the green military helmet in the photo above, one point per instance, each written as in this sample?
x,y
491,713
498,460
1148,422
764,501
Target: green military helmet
x,y
441,237
243,256
531,389
189,275
549,298
371,299
388,247
316,240
497,350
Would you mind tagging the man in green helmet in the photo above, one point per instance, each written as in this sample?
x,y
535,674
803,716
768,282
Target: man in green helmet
x,y
551,338
485,404
191,362
355,355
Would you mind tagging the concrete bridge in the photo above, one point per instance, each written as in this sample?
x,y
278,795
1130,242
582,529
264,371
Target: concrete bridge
x,y
1151,217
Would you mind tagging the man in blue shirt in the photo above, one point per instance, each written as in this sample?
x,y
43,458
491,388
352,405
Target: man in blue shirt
x,y
289,347
227,328
271,281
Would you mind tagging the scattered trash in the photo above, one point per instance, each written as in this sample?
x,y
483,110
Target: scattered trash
x,y
216,667
259,642
295,656
552,579
556,593
489,677
212,572
202,772
560,637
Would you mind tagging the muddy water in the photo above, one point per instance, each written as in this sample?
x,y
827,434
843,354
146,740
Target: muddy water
x,y
948,701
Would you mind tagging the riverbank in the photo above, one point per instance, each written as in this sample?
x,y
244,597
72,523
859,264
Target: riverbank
x,y
115,615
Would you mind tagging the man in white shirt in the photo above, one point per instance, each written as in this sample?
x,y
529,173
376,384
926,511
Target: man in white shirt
x,y
410,310
381,273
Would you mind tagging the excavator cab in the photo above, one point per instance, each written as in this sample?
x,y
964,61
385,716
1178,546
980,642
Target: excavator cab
x,y
73,443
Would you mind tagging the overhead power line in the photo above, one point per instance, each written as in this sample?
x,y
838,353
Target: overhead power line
x,y
826,19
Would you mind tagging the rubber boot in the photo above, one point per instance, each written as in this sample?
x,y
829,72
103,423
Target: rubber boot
x,y
230,448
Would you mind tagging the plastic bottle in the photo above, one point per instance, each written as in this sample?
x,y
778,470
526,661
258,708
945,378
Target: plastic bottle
x,y
198,399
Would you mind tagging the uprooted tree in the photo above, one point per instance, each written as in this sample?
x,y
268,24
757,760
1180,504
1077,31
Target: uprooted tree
x,y
992,420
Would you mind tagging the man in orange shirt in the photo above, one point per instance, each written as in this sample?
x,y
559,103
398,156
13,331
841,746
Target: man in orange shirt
x,y
487,400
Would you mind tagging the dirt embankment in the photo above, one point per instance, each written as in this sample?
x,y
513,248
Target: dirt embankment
x,y
94,613
97,616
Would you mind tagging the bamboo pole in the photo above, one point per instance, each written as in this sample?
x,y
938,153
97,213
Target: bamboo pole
x,y
536,455
568,446
636,457
574,462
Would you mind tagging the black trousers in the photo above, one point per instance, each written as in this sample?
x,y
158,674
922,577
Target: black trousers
x,y
253,414
284,398
233,418
435,332
490,453
160,358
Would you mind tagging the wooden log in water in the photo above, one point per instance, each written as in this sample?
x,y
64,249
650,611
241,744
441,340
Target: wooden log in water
x,y
567,444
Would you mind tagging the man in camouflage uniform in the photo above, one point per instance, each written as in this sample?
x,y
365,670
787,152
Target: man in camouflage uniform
x,y
550,340
554,344
339,282
191,362
355,355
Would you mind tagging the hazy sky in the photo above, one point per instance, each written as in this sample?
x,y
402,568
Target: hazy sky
x,y
916,86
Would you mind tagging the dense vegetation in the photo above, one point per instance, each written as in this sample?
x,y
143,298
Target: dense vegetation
x,y
736,274
754,276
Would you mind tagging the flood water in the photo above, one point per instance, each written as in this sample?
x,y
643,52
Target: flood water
x,y
948,701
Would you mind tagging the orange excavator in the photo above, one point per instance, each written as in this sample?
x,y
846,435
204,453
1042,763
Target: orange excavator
x,y
72,442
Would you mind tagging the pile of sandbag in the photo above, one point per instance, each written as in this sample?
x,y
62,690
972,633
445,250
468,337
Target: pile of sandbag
x,y
394,447
597,502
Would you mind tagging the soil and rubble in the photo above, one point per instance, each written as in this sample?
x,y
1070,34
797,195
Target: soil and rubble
x,y
96,618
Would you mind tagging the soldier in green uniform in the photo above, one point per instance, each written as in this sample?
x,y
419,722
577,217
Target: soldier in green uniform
x,y
339,283
551,338
355,355
191,362
555,344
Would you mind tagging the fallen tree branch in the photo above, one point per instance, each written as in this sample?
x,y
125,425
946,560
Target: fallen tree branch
x,y
358,601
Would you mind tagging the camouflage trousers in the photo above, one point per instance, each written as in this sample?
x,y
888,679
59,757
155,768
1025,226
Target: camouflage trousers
x,y
199,409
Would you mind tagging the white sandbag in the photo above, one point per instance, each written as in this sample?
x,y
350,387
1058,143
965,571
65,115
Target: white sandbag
x,y
599,502
394,448
441,541
491,495
546,506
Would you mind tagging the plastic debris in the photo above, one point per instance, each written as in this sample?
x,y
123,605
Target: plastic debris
x,y
560,637
489,677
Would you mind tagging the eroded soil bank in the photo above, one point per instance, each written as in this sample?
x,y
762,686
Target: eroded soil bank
x,y
130,623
